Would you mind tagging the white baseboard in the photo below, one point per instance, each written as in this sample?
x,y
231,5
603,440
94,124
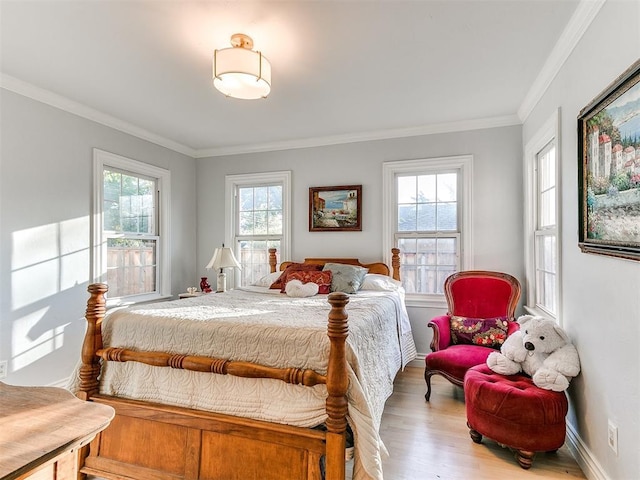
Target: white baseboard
x,y
417,362
62,383
588,463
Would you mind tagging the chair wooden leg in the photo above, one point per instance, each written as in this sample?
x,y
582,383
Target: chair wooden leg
x,y
475,436
525,458
427,378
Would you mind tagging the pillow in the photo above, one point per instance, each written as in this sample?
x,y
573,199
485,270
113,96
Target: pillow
x,y
375,281
346,278
267,280
322,279
293,267
486,332
295,288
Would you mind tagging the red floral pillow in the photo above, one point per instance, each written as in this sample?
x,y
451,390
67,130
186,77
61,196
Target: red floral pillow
x,y
322,279
486,332
293,267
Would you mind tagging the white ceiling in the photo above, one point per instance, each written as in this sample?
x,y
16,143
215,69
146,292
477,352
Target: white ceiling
x,y
342,70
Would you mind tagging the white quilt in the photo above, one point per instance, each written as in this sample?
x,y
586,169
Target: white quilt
x,y
273,330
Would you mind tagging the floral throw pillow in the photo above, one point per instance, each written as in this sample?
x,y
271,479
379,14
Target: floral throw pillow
x,y
322,279
293,267
486,332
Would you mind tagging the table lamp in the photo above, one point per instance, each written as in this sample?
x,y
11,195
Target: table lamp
x,y
223,257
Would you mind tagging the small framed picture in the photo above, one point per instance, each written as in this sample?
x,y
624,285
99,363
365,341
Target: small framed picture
x,y
335,209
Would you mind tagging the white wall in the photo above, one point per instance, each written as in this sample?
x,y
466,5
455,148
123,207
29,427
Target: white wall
x,y
497,198
45,204
601,295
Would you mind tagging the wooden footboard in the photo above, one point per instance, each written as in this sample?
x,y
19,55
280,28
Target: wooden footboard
x,y
149,441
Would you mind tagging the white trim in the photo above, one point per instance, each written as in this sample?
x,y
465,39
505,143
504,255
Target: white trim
x,y
426,301
465,125
233,181
464,163
584,14
63,103
62,383
586,460
550,131
98,261
417,362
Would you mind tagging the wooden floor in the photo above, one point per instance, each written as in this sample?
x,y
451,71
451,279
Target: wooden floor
x,y
430,440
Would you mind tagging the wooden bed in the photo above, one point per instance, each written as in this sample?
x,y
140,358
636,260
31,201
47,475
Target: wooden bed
x,y
151,441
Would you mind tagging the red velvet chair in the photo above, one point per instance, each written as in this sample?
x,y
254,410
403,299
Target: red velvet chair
x,y
477,300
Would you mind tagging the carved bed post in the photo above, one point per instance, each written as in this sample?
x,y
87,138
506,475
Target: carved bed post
x,y
90,368
395,263
272,260
337,383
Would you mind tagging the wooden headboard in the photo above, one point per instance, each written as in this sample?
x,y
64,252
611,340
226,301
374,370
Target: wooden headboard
x,y
376,267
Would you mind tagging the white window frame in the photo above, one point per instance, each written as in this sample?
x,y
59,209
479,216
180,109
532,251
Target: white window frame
x,y
102,159
548,133
461,163
232,183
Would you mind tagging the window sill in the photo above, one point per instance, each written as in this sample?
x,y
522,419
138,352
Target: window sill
x,y
120,302
538,312
426,301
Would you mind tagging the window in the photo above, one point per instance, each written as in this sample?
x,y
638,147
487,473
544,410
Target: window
x,y
257,219
427,216
130,252
542,205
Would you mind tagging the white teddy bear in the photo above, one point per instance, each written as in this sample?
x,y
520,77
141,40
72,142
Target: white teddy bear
x,y
540,349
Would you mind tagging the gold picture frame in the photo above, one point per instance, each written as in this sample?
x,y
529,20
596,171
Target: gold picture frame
x,y
609,169
335,209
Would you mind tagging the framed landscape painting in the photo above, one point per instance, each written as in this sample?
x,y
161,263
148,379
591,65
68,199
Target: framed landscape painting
x,y
335,209
609,169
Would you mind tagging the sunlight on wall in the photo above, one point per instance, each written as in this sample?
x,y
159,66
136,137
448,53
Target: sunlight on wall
x,y
26,350
48,259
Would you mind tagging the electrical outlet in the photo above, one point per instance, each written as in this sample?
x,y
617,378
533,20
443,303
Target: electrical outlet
x,y
612,435
3,368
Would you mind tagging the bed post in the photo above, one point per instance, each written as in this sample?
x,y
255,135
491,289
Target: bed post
x,y
90,368
395,263
273,261
337,383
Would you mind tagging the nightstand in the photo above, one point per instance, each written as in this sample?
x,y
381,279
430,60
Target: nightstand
x,y
191,295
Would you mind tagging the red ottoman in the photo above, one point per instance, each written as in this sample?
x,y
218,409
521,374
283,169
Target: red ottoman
x,y
514,412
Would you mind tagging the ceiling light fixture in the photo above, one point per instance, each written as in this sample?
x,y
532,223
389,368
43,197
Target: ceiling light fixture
x,y
241,72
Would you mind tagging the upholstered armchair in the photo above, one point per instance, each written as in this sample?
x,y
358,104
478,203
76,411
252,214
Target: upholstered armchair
x,y
481,307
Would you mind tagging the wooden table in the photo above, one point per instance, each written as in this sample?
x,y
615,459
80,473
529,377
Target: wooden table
x,y
42,429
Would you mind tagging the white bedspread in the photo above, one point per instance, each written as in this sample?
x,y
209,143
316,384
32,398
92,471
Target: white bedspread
x,y
273,330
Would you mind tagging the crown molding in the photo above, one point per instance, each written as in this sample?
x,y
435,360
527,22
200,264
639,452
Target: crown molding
x,y
476,124
585,13
23,88
58,101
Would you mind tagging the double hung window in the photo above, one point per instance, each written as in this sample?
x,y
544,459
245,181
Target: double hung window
x,y
427,218
131,200
542,222
258,219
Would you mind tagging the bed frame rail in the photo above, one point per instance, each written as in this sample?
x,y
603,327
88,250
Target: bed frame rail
x,y
112,454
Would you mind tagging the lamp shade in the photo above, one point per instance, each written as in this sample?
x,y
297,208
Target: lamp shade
x,y
241,72
223,257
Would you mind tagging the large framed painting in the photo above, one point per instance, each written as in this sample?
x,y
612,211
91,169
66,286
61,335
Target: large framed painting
x,y
609,169
335,209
